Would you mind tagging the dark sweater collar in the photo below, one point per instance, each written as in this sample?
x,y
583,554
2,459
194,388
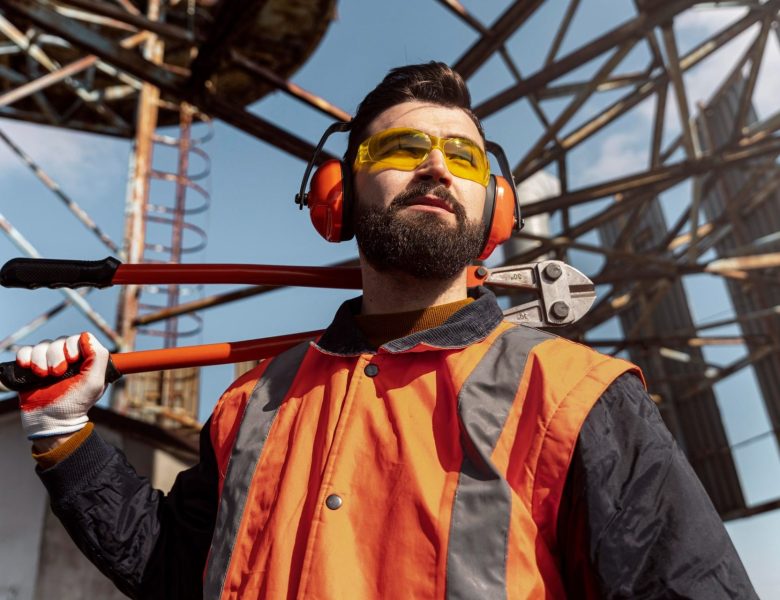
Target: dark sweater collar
x,y
470,324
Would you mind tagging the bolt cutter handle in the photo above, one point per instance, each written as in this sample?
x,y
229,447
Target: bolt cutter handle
x,y
17,378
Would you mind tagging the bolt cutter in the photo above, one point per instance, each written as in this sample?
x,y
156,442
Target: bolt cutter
x,y
563,295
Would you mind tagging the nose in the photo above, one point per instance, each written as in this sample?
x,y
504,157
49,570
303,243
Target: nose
x,y
434,168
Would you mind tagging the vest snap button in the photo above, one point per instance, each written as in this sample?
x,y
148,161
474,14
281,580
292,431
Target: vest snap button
x,y
334,502
371,370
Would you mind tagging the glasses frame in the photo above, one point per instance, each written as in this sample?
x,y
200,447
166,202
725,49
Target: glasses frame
x,y
364,158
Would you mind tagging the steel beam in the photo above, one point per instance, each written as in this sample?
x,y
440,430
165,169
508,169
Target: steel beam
x,y
290,88
728,371
8,341
137,20
665,175
675,340
608,84
604,71
756,56
633,29
675,74
504,26
460,11
77,300
47,80
231,19
653,86
560,34
37,54
71,205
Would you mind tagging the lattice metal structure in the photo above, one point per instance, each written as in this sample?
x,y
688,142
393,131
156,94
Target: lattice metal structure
x,y
91,59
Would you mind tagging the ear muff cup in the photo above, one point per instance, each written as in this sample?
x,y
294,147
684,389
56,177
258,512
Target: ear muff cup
x,y
329,201
499,214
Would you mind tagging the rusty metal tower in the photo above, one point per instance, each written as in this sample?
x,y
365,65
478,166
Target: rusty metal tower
x,y
214,51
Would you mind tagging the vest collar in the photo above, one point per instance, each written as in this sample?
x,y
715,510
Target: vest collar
x,y
469,325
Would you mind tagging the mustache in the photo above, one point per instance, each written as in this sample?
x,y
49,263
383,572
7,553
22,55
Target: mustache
x,y
422,188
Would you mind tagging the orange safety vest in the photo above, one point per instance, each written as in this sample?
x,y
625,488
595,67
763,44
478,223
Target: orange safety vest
x,y
425,473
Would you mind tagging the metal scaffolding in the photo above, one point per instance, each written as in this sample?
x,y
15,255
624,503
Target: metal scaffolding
x,y
107,67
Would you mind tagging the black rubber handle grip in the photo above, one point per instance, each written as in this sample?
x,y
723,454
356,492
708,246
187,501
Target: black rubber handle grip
x,y
20,379
32,273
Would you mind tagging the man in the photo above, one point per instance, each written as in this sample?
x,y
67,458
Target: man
x,y
421,448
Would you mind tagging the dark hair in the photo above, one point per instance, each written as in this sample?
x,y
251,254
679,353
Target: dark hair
x,y
433,82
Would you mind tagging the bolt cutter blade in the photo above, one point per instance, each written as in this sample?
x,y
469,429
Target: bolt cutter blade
x,y
564,293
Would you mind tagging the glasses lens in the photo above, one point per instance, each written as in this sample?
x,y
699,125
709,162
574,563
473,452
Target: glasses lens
x,y
405,149
401,148
466,159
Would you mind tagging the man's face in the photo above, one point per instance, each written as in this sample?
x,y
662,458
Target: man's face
x,y
426,222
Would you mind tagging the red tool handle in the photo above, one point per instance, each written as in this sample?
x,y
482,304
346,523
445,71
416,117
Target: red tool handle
x,y
33,273
207,354
323,277
17,378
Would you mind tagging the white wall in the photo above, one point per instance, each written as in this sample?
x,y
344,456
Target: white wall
x,y
22,506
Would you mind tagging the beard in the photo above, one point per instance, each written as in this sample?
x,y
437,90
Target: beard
x,y
420,244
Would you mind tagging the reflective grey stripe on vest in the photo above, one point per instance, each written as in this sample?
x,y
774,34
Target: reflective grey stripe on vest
x,y
256,422
479,531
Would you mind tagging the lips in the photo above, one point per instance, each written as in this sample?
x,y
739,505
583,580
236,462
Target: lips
x,y
431,201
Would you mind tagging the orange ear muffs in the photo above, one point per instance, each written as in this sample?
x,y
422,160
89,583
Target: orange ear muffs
x,y
330,198
499,216
328,202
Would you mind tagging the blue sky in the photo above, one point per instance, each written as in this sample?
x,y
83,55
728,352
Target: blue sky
x,y
253,218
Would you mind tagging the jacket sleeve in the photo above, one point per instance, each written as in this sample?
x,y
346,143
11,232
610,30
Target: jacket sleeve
x,y
635,521
149,544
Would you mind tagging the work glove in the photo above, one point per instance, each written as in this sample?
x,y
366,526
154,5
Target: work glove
x,y
61,408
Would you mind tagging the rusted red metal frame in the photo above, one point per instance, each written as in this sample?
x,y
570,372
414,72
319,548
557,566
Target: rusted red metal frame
x,y
90,41
139,21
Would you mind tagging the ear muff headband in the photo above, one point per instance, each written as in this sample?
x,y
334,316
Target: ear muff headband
x,y
301,197
330,199
502,206
509,183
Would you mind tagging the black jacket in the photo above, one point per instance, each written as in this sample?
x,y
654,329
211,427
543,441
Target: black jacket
x,y
634,521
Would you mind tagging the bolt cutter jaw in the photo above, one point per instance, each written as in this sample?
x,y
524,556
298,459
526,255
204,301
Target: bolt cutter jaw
x,y
564,294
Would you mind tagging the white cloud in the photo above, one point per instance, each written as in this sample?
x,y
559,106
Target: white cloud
x,y
618,155
72,159
707,20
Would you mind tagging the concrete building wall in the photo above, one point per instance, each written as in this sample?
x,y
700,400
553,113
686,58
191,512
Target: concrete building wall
x,y
38,560
23,504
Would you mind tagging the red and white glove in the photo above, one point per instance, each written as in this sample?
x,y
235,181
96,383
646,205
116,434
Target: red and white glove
x,y
61,408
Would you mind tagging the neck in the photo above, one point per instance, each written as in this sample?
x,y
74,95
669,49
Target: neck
x,y
393,292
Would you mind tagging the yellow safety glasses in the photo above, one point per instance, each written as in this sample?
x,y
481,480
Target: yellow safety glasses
x,y
406,149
